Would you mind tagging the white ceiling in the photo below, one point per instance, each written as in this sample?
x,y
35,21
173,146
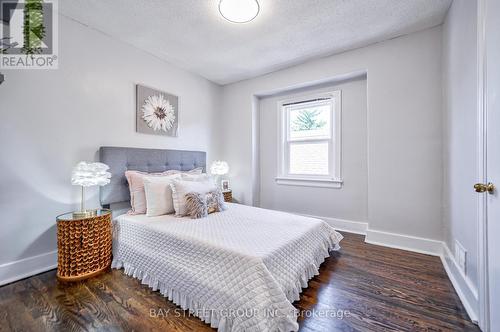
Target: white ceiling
x,y
191,33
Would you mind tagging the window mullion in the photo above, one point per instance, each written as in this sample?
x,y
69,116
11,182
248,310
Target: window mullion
x,y
312,141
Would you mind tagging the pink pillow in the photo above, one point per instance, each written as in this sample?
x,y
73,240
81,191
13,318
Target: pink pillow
x,y
136,186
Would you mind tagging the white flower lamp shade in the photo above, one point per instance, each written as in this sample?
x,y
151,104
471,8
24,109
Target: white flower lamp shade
x,y
86,174
219,167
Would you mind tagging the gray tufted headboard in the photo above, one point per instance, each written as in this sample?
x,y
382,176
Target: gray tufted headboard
x,y
120,160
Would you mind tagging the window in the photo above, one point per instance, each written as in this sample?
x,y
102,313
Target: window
x,y
310,141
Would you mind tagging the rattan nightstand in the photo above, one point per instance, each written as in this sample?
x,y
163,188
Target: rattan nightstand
x,y
83,245
228,196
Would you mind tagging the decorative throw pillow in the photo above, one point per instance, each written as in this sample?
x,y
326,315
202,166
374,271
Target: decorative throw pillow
x,y
196,177
196,205
159,199
181,187
136,186
199,205
215,201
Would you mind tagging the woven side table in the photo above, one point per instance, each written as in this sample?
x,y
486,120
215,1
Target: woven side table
x,y
228,196
83,245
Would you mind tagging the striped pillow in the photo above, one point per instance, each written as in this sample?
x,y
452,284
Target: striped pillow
x,y
196,205
199,205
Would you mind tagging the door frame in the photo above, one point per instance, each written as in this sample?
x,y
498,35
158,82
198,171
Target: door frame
x,y
482,216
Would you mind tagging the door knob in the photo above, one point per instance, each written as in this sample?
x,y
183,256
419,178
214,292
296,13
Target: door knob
x,y
481,187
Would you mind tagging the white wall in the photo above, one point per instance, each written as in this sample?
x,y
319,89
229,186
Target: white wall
x,y
460,140
351,201
404,128
53,119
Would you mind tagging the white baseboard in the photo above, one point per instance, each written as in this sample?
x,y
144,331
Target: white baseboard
x,y
466,291
349,226
463,286
405,242
17,270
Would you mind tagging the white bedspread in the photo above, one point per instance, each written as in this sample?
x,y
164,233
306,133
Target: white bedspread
x,y
238,270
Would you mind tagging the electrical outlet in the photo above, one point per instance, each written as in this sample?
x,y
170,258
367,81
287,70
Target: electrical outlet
x,y
461,256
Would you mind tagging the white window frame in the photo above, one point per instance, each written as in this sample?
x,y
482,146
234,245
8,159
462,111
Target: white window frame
x,y
334,178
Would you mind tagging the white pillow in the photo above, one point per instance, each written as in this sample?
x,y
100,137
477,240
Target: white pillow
x,y
182,187
159,194
196,177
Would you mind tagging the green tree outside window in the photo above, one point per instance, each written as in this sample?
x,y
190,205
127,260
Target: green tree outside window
x,y
308,120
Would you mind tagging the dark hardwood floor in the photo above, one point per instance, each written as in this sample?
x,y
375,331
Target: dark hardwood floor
x,y
361,288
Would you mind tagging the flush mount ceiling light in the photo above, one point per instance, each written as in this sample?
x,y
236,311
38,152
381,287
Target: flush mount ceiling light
x,y
239,11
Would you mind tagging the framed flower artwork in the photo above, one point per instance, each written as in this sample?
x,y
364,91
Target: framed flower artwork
x,y
157,112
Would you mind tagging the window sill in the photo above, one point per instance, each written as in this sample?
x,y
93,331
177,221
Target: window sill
x,y
308,182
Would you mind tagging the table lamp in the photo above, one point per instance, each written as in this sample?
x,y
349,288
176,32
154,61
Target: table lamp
x,y
86,174
219,168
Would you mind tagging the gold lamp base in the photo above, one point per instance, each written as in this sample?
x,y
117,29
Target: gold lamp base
x,y
85,214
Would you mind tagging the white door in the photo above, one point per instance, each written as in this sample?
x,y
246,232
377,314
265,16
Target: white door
x,y
492,103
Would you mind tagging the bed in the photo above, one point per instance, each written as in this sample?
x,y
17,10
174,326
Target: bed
x,y
237,270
